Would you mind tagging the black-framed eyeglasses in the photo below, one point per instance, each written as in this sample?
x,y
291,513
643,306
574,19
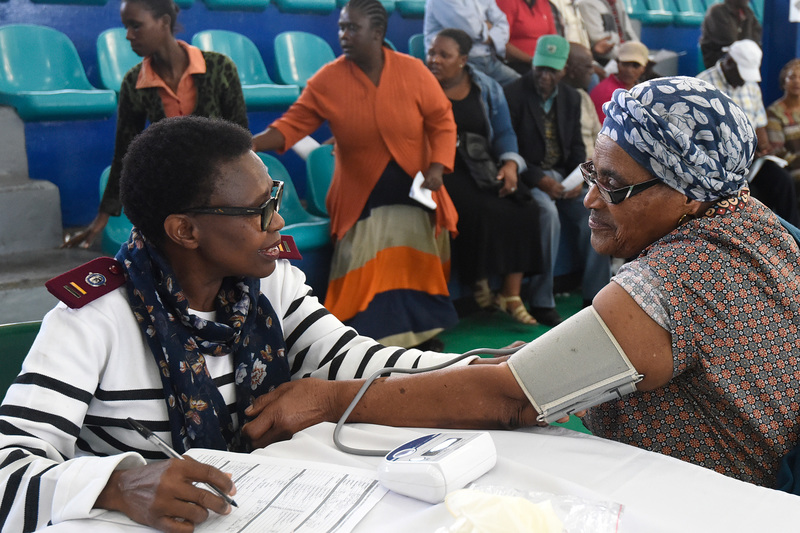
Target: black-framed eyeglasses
x,y
613,196
266,210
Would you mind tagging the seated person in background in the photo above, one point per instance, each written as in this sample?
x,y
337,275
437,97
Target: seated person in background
x,y
546,115
632,63
570,25
486,25
724,24
201,316
527,20
578,75
737,74
173,79
706,314
608,26
498,229
783,120
569,22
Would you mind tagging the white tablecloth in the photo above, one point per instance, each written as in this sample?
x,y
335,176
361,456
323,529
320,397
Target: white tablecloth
x,y
659,494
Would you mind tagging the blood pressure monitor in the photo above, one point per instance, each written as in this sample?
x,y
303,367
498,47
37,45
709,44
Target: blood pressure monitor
x,y
430,467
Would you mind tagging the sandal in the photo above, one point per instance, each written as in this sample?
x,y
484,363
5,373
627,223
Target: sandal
x,y
483,294
518,313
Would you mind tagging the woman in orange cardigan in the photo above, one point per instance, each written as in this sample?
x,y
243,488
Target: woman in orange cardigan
x,y
390,120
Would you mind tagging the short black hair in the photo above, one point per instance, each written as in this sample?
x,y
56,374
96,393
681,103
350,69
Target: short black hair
x,y
160,8
172,166
462,39
373,10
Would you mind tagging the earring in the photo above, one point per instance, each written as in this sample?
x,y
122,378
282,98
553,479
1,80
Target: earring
x,y
684,218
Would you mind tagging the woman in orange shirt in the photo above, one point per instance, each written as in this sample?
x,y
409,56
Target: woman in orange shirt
x,y
390,120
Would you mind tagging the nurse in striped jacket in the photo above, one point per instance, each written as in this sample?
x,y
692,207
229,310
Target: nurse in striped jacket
x,y
197,317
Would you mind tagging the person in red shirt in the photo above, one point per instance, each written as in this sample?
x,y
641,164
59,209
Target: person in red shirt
x,y
528,20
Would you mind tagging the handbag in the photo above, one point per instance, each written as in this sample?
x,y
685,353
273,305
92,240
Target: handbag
x,y
474,151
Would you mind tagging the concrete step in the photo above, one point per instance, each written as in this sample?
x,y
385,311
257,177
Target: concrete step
x,y
23,295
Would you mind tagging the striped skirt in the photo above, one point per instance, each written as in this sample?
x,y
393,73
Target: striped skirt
x,y
389,272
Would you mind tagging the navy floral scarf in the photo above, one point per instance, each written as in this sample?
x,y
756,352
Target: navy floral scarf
x,y
246,327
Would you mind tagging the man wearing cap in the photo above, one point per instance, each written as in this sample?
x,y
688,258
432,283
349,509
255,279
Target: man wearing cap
x,y
632,62
546,115
737,74
725,23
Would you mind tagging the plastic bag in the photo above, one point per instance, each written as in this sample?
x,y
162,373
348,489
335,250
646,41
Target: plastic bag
x,y
577,515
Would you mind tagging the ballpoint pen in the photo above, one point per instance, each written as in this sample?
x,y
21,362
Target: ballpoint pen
x,y
155,439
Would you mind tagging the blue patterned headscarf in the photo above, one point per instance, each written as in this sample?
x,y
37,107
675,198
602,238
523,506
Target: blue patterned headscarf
x,y
686,132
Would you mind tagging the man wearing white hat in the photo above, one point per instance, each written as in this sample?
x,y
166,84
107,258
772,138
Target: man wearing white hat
x,y
725,23
738,74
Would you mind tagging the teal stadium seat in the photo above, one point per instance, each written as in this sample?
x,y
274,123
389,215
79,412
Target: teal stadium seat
x,y
309,232
115,57
758,9
299,55
236,5
319,173
74,2
308,7
42,77
15,343
387,4
260,92
183,4
118,228
416,46
709,3
689,12
410,9
651,12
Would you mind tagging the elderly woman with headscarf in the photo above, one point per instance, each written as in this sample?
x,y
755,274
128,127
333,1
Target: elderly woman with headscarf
x,y
691,350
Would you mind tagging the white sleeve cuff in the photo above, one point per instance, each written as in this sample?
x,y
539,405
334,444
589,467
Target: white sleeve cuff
x,y
80,485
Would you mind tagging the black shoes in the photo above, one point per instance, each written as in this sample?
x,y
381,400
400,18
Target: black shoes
x,y
547,316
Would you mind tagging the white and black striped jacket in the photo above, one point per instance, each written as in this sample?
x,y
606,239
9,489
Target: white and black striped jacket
x,y
62,423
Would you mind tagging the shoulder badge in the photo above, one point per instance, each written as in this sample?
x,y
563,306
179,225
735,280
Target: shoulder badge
x,y
87,282
287,248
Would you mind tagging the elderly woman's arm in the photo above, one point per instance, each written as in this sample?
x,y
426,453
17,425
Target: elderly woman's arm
x,y
647,345
473,396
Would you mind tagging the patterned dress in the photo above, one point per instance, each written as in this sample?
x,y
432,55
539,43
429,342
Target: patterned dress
x,y
726,287
783,128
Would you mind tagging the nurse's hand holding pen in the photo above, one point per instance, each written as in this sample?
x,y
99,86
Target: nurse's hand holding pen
x,y
163,494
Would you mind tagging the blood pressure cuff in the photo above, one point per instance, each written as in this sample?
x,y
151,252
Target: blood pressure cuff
x,y
574,366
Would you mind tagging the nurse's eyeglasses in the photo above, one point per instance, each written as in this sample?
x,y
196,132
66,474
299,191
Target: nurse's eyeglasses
x,y
266,210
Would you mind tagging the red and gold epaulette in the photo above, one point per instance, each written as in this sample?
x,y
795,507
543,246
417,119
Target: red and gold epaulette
x,y
287,248
87,282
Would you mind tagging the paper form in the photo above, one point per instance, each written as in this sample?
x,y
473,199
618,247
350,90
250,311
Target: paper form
x,y
282,495
574,179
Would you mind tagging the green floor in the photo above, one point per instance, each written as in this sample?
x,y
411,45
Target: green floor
x,y
497,329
